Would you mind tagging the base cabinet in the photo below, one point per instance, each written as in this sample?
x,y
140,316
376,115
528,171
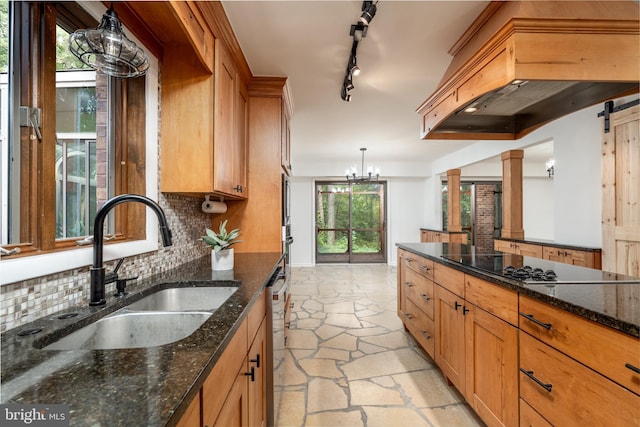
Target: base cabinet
x,y
567,393
234,393
491,367
450,351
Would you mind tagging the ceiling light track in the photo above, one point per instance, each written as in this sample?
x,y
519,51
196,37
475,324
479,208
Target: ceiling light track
x,y
358,31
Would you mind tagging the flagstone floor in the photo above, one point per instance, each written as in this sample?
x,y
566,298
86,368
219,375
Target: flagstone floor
x,y
349,361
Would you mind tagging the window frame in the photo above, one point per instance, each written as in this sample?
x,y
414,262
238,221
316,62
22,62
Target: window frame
x,y
53,257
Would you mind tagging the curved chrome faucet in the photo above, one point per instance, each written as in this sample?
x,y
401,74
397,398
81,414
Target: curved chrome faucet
x,y
98,276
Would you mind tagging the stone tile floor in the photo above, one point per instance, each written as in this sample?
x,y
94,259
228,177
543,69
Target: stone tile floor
x,y
349,361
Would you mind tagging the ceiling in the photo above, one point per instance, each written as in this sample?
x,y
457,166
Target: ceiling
x,y
402,58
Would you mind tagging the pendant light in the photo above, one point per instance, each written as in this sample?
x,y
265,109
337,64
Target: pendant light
x,y
373,173
107,49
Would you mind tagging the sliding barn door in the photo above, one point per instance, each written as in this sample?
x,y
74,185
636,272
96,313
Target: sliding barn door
x,y
621,193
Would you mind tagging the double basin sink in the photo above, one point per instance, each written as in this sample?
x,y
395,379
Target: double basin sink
x,y
160,318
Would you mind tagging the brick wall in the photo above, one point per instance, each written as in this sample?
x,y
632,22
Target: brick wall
x,y
484,216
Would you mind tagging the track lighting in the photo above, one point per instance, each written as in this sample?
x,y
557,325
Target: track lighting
x,y
368,12
358,31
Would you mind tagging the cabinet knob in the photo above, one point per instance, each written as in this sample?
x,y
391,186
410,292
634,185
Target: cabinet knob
x,y
465,310
424,268
425,297
425,335
457,305
408,284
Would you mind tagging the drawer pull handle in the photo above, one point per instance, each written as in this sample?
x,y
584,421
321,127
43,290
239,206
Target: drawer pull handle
x,y
251,374
424,268
425,297
545,386
633,368
465,310
425,335
408,284
536,321
457,305
256,360
408,316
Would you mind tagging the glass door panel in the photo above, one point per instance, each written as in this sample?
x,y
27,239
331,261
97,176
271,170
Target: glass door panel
x,y
350,222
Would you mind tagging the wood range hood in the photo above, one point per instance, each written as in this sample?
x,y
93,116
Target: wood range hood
x,y
522,64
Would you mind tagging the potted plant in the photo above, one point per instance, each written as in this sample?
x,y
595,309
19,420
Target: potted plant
x,y
220,242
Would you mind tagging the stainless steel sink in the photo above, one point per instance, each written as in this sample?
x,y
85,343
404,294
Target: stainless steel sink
x,y
127,329
185,299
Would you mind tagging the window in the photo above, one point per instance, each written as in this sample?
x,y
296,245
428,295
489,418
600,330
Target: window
x,y
62,153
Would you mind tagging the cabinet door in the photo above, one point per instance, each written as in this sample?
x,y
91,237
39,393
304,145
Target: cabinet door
x,y
527,249
285,139
491,367
449,321
567,393
553,254
191,417
258,380
234,412
223,143
241,121
503,246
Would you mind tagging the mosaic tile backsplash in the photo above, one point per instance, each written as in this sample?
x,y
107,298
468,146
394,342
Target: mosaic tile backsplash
x,y
26,301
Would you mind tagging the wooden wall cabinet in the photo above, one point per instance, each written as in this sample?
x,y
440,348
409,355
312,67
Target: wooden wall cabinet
x,y
204,113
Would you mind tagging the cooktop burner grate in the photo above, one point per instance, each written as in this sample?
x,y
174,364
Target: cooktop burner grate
x,y
527,272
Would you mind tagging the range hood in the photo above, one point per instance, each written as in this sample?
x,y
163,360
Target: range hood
x,y
522,64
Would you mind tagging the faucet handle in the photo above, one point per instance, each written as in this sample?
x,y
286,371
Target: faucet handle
x,y
112,276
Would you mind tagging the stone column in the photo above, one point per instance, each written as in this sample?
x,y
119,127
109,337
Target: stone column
x,y
512,224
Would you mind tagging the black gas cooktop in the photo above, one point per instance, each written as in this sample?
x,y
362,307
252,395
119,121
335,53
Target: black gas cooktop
x,y
507,265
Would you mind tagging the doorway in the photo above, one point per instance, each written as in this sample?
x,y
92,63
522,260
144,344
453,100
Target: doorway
x,y
480,212
350,222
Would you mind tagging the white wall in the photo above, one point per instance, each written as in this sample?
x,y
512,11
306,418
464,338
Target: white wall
x,y
566,209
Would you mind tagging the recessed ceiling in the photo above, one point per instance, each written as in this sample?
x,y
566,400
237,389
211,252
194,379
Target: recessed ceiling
x,y
402,59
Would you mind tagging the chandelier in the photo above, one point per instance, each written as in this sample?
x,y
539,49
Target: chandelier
x,y
373,172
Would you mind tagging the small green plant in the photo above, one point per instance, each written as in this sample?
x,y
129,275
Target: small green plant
x,y
221,240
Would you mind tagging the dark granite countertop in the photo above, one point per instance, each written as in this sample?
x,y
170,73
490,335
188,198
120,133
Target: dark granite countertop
x,y
443,231
130,387
552,243
607,298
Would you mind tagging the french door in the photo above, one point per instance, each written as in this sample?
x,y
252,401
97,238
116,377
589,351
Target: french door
x,y
350,222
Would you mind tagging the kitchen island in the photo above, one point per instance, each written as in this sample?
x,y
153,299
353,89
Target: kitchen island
x,y
150,386
526,341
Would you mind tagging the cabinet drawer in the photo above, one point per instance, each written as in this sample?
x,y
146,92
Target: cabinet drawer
x,y
496,300
530,418
450,279
421,327
420,265
419,290
566,393
610,352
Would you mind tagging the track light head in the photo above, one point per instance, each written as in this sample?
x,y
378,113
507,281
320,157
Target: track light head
x,y
368,12
344,95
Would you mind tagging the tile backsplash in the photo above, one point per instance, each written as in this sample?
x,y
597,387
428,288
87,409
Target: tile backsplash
x,y
28,300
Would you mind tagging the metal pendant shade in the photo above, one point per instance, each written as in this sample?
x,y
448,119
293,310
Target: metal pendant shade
x,y
108,50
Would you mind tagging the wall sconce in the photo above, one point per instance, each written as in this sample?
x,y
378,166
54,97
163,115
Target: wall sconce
x,y
550,167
